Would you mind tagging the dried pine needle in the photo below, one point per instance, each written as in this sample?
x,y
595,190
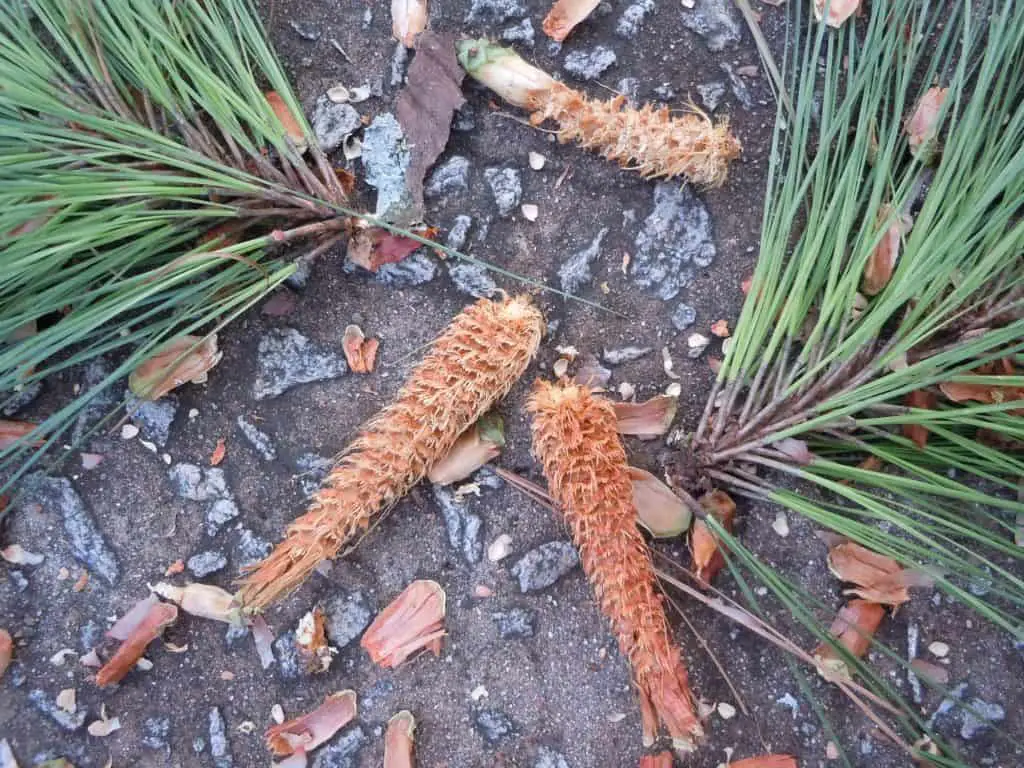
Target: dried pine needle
x,y
471,365
575,436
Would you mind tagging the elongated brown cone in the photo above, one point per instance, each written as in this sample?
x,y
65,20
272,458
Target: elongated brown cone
x,y
575,436
474,362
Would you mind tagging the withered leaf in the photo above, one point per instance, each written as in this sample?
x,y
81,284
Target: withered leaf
x,y
838,11
919,398
158,617
6,651
878,578
882,261
309,731
291,125
219,450
13,431
398,741
185,359
414,620
360,352
565,15
660,760
704,543
427,104
659,510
476,446
991,394
854,628
648,419
923,125
373,247
408,19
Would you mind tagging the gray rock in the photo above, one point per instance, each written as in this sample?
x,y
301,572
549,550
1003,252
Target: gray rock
x,y
464,120
621,355
714,20
673,239
97,393
222,511
259,440
47,705
219,746
506,188
541,567
85,539
738,87
948,704
683,317
519,33
235,634
494,726
251,548
415,269
386,159
198,744
197,484
978,718
472,279
491,12
711,94
448,178
515,623
90,635
18,580
630,88
665,92
286,358
399,60
287,656
575,273
153,419
459,232
343,752
584,65
463,528
313,468
305,30
205,563
332,123
299,279
156,731
632,19
348,614
14,401
549,758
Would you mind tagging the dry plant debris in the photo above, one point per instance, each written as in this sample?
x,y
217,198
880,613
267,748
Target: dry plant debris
x,y
304,734
408,19
292,126
158,617
360,352
838,11
398,741
13,431
704,542
659,511
414,620
6,651
660,760
765,761
877,578
311,640
565,15
925,400
186,359
990,394
219,452
648,140
923,126
372,247
472,364
203,600
854,627
648,419
477,446
575,437
882,261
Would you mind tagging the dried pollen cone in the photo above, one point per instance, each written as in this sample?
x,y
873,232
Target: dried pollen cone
x,y
575,437
474,363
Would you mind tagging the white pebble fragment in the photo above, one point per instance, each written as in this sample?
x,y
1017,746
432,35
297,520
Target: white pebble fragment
x,y
781,524
478,693
696,343
499,548
537,161
666,359
277,714
726,710
627,391
560,368
129,431
675,389
938,649
530,211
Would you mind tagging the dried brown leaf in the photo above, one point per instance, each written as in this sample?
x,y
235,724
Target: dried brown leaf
x,y
219,452
309,731
124,626
854,628
6,651
933,673
408,19
659,510
990,394
919,398
311,640
565,15
291,125
878,578
648,419
477,446
158,617
765,761
398,741
414,620
425,107
923,126
720,328
660,760
704,543
13,431
838,11
882,261
360,352
185,359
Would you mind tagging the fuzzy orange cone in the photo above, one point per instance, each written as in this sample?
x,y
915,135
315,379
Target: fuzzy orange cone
x,y
648,140
576,438
474,363
413,620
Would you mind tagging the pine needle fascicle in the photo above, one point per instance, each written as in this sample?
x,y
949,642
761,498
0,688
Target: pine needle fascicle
x,y
648,140
575,437
471,365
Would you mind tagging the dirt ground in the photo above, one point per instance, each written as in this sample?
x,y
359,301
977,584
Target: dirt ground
x,y
525,679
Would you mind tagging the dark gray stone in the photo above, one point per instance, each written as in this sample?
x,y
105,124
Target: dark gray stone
x,y
621,355
979,717
299,279
86,540
589,65
472,279
491,12
519,33
222,511
515,623
674,238
494,726
219,746
332,123
90,635
711,94
459,232
287,656
257,439
12,402
312,468
575,273
286,359
549,758
399,60
505,187
714,20
156,731
386,159
665,92
463,528
343,752
251,548
449,178
464,120
18,580
416,269
100,397
235,634
47,705
632,19
205,563
683,317
738,87
541,567
194,483
348,614
153,419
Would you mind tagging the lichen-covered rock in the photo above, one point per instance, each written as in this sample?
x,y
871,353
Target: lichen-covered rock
x,y
575,272
286,358
589,65
541,567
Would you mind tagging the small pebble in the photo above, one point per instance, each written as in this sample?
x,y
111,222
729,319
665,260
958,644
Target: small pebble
x,y
781,524
537,161
726,711
938,649
500,548
129,431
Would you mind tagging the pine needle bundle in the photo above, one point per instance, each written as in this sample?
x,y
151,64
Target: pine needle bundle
x,y
649,140
474,363
575,436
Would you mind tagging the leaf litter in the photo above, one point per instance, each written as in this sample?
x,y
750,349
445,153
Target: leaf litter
x,y
412,622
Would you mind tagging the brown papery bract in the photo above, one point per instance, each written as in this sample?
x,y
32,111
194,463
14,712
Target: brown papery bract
x,y
414,620
878,578
575,436
6,651
854,628
158,617
765,761
660,760
704,543
648,419
473,364
565,15
398,741
309,731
